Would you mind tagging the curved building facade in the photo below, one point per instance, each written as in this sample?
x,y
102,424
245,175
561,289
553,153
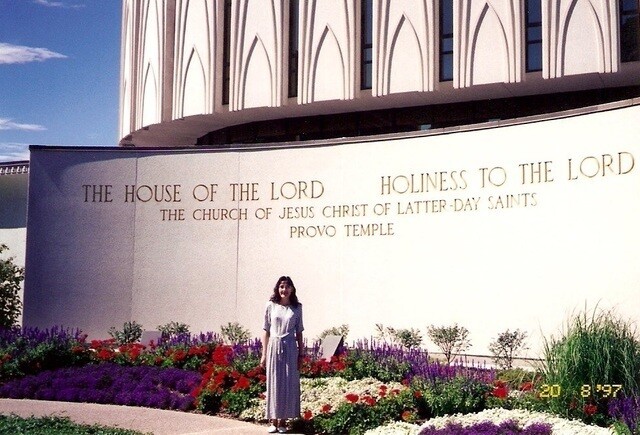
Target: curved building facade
x,y
203,72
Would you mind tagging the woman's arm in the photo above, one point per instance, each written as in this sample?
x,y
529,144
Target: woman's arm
x,y
301,349
265,341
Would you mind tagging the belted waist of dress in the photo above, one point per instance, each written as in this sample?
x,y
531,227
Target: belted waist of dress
x,y
279,339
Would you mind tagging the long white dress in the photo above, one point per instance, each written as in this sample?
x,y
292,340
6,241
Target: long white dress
x,y
283,378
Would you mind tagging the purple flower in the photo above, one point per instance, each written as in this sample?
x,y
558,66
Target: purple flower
x,y
508,427
626,409
108,383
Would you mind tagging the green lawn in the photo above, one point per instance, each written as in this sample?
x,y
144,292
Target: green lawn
x,y
14,425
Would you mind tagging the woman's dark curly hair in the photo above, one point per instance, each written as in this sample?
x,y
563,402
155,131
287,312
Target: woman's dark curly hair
x,y
275,297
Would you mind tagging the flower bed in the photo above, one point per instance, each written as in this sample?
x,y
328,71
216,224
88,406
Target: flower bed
x,y
109,384
368,386
495,421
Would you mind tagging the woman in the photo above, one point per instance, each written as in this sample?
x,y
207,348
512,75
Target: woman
x,y
282,350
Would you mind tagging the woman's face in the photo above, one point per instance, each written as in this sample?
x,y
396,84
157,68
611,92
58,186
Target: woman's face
x,y
284,289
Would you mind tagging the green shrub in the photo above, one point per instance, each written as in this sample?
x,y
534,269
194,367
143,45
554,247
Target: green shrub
x,y
172,329
452,396
408,338
506,346
450,339
364,364
10,278
342,330
596,349
235,333
131,333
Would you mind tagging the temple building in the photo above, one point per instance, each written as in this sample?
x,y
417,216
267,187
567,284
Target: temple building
x,y
406,162
207,73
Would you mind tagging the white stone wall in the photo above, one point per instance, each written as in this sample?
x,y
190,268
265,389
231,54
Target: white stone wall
x,y
172,57
515,226
13,214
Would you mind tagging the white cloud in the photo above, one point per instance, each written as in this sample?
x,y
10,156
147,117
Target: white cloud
x,y
13,152
10,53
8,124
56,4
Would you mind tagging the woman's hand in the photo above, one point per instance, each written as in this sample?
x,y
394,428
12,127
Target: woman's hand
x,y
263,360
300,360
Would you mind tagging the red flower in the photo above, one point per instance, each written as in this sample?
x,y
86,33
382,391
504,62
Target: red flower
x,y
590,409
369,400
221,355
326,408
241,384
178,355
395,392
500,392
527,386
417,394
105,354
352,398
307,415
256,372
197,350
407,415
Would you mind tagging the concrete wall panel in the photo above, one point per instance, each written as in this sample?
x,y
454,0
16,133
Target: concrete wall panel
x,y
509,227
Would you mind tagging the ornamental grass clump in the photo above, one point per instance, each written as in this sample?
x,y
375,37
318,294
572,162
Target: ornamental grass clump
x,y
596,360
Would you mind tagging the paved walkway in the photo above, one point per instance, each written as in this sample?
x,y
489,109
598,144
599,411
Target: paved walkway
x,y
147,420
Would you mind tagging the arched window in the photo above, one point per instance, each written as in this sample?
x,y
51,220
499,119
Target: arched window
x,y
366,45
446,40
534,35
294,23
226,52
629,31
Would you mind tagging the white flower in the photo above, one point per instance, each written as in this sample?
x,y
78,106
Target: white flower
x,y
559,426
315,393
395,428
318,392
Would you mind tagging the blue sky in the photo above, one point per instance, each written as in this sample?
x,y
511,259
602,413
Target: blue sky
x,y
59,74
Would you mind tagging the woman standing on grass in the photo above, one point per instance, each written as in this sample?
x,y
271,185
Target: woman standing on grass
x,y
282,350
